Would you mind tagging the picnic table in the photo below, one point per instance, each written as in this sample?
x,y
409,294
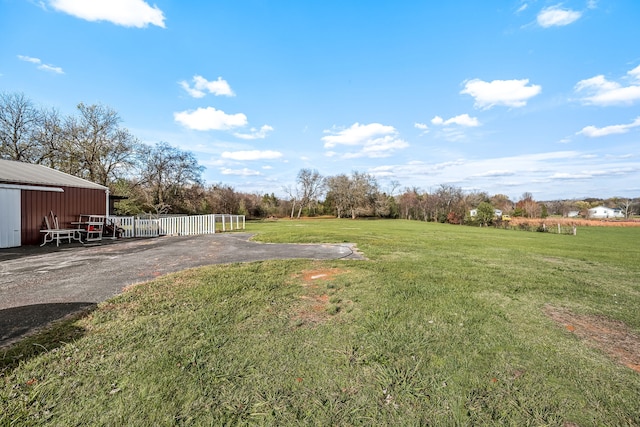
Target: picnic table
x,y
54,232
57,234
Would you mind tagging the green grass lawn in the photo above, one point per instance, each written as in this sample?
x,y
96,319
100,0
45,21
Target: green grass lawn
x,y
443,325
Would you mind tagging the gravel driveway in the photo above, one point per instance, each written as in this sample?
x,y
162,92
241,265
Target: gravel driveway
x,y
39,285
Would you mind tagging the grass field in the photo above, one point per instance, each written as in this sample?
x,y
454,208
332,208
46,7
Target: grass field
x,y
443,325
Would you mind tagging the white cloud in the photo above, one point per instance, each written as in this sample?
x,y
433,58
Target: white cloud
x,y
554,16
201,86
252,155
510,93
462,120
51,68
494,173
41,66
29,59
594,132
239,172
255,133
357,134
580,175
210,119
423,127
128,13
635,74
601,91
378,147
522,8
376,140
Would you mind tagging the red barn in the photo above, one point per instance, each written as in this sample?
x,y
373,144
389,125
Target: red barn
x,y
30,192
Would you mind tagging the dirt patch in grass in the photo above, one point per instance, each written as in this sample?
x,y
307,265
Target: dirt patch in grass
x,y
315,303
309,277
609,336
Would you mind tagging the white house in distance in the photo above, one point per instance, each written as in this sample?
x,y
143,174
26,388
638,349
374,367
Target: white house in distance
x,y
496,212
605,212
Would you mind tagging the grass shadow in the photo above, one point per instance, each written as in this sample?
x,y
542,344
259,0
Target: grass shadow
x,y
27,331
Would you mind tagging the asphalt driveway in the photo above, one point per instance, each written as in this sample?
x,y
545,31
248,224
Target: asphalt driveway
x,y
39,285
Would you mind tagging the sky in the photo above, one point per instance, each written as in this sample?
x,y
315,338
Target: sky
x,y
501,96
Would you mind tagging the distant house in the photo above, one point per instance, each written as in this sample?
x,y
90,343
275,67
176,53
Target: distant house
x,y
605,212
573,214
496,212
30,192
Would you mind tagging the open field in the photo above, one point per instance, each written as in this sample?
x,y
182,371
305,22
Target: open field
x,y
443,325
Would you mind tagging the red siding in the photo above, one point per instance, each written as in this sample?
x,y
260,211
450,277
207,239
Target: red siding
x,y
67,206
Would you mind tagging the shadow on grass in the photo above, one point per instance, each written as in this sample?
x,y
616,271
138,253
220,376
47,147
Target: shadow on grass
x,y
27,331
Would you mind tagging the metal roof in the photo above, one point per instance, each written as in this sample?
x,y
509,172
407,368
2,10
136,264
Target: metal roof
x,y
27,173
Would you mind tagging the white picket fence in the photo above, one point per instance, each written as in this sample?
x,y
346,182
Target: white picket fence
x,y
178,225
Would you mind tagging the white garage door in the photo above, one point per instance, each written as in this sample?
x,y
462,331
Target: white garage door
x,y
9,218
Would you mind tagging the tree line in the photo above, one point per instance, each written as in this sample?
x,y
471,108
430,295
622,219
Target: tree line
x,y
162,179
359,195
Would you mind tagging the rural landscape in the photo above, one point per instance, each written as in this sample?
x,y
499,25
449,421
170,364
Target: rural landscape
x,y
333,213
527,317
442,325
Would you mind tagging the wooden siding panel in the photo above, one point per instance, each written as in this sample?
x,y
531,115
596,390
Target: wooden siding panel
x,y
68,206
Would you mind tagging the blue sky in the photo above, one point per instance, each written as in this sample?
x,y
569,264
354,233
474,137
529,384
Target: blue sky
x,y
505,96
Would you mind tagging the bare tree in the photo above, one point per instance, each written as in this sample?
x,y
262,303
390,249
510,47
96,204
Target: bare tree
x,y
98,147
293,197
339,193
529,207
364,194
502,202
310,187
409,203
49,137
223,199
626,206
167,172
449,203
357,195
19,120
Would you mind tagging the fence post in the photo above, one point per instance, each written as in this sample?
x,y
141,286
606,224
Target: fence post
x,y
558,228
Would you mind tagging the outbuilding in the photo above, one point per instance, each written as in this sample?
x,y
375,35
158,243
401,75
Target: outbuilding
x,y
29,192
605,212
